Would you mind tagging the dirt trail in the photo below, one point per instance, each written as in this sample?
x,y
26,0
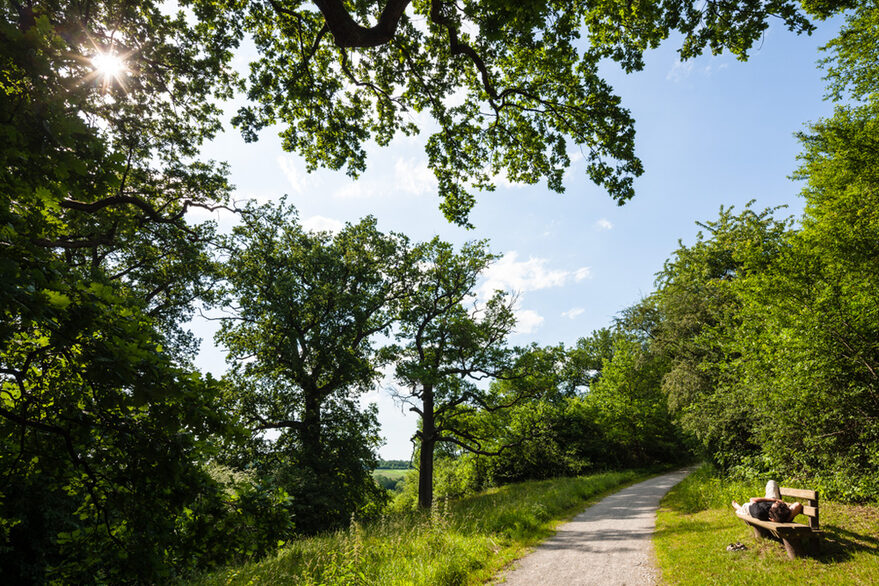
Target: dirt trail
x,y
608,544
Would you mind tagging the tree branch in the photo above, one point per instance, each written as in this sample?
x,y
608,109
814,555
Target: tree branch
x,y
458,47
474,450
115,200
347,33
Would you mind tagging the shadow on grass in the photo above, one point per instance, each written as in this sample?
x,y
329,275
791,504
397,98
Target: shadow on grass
x,y
840,545
835,546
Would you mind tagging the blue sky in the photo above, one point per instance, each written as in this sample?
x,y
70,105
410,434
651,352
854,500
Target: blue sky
x,y
712,131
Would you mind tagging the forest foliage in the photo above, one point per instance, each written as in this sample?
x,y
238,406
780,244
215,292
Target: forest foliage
x,y
120,462
772,325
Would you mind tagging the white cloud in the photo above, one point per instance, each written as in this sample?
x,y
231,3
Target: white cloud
x,y
604,224
527,321
714,66
354,190
704,66
456,98
680,71
573,312
576,157
510,274
294,176
322,224
413,176
582,273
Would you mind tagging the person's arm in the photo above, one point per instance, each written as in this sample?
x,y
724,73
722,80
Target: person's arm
x,y
763,499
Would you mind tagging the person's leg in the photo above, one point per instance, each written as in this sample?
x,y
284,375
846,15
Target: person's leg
x,y
772,490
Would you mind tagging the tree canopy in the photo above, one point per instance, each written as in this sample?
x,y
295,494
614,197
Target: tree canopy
x,y
513,87
307,308
771,324
105,425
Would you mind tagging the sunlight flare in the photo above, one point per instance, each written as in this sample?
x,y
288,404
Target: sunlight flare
x,y
109,68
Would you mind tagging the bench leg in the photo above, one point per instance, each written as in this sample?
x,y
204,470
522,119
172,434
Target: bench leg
x,y
759,532
792,547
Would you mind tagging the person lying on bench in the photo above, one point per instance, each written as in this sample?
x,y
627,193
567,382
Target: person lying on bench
x,y
770,507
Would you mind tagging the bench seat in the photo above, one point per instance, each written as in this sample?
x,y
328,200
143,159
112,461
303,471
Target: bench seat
x,y
780,529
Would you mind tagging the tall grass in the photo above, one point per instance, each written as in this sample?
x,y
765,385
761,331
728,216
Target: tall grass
x,y
458,543
695,524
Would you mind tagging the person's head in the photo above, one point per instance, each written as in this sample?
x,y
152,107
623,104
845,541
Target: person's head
x,y
779,512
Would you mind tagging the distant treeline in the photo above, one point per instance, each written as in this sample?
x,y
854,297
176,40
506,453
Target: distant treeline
x,y
394,464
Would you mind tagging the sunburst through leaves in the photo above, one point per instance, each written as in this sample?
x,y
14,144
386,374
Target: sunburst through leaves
x,y
109,68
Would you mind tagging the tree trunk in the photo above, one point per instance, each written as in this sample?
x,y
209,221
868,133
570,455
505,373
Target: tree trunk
x,y
311,428
428,441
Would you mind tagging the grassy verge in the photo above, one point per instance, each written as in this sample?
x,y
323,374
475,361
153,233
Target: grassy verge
x,y
461,542
695,524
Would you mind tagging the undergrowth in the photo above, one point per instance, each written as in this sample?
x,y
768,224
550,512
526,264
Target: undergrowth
x,y
459,542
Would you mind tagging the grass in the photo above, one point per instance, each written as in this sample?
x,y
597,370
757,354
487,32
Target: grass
x,y
696,522
392,473
463,542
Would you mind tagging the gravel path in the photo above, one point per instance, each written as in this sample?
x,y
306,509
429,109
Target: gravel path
x,y
608,544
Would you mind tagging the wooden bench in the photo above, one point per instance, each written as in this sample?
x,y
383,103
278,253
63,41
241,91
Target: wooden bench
x,y
792,535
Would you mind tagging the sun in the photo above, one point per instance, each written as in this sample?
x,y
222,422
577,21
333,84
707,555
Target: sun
x,y
110,67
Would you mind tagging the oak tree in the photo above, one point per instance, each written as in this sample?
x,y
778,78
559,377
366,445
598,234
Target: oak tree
x,y
307,309
447,343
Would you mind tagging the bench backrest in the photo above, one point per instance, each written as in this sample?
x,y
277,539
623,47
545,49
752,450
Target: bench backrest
x,y
810,509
